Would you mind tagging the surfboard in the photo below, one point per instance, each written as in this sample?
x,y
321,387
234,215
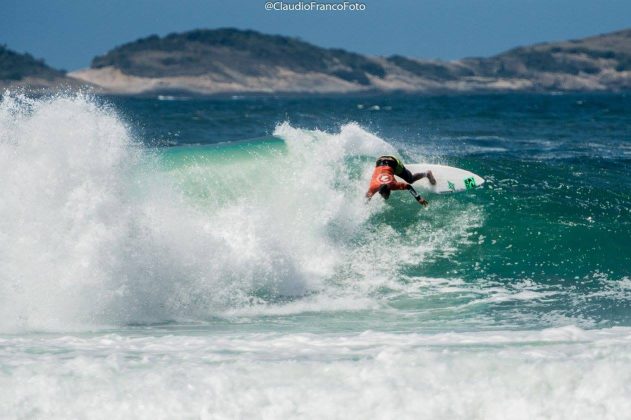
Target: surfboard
x,y
448,178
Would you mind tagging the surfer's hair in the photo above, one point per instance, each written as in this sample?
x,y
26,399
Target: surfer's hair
x,y
384,191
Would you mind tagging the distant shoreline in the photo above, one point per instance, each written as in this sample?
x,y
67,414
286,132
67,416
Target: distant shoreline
x,y
235,96
226,62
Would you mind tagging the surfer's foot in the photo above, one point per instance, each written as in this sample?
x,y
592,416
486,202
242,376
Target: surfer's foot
x,y
431,178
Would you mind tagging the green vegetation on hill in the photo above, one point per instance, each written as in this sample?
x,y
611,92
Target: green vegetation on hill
x,y
15,66
249,52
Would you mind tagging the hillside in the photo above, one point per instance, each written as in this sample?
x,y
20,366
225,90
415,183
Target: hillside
x,y
596,63
224,51
225,61
22,70
230,60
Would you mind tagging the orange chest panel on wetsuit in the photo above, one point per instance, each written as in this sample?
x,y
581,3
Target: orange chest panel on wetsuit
x,y
384,175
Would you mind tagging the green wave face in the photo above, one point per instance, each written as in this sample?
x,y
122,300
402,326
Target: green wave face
x,y
545,235
213,176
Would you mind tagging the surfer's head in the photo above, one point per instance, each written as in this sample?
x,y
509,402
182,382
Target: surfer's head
x,y
384,190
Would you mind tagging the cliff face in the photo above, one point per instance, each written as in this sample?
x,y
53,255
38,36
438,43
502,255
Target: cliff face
x,y
24,71
236,61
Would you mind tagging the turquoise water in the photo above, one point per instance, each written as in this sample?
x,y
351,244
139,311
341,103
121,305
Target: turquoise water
x,y
215,258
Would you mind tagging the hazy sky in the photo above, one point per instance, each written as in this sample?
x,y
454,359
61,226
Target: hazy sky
x,y
69,33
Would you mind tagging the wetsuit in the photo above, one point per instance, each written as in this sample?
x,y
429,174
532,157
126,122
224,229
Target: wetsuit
x,y
384,175
385,170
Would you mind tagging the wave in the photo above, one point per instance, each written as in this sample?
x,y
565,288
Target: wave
x,y
97,229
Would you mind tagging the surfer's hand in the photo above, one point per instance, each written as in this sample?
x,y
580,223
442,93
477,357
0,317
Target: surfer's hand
x,y
423,202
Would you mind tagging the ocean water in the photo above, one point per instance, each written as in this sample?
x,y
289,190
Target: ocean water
x,y
214,258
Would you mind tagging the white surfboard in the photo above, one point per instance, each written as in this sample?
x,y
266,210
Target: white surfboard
x,y
448,178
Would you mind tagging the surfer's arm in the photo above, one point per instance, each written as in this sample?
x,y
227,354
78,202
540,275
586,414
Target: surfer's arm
x,y
399,186
372,191
416,195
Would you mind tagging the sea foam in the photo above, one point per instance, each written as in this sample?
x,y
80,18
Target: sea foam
x,y
95,231
553,373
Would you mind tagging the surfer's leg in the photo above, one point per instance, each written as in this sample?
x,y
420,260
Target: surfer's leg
x,y
406,175
403,172
410,179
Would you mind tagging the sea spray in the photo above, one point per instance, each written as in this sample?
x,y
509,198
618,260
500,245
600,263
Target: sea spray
x,y
65,214
93,234
97,229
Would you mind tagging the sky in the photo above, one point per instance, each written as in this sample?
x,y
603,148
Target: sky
x,y
67,34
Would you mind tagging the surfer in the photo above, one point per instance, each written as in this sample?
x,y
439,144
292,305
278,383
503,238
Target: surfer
x,y
383,180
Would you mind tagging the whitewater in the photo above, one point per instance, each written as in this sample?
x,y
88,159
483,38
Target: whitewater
x,y
247,278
